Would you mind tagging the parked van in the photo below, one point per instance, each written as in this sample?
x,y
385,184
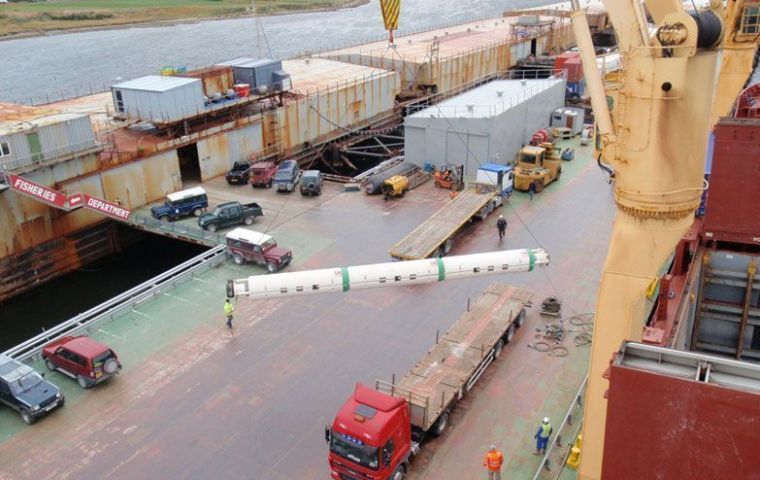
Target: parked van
x,y
287,176
181,204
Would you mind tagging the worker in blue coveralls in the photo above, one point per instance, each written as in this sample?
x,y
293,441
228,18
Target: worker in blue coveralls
x,y
542,436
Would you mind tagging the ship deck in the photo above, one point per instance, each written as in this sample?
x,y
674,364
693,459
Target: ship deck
x,y
196,400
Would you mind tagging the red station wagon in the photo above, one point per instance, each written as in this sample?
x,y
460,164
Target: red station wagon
x,y
262,174
83,359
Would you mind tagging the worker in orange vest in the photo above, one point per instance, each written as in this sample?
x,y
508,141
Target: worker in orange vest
x,y
493,461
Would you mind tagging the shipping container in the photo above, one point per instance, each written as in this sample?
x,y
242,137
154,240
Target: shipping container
x,y
256,72
158,99
216,80
31,141
482,125
733,203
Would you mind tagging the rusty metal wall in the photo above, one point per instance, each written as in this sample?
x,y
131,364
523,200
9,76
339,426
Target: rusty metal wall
x,y
465,67
215,79
216,154
453,72
314,117
144,181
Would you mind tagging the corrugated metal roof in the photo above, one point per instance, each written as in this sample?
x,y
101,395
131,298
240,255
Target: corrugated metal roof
x,y
16,124
156,83
247,62
490,99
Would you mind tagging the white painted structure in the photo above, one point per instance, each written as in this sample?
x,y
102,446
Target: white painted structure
x,y
492,121
412,272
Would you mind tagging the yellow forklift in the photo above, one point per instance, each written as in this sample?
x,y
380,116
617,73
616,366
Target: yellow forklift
x,y
537,165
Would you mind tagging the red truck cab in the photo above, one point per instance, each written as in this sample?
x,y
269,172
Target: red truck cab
x,y
370,438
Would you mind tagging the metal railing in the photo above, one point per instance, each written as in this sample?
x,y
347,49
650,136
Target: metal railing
x,y
120,304
491,110
569,428
52,155
178,230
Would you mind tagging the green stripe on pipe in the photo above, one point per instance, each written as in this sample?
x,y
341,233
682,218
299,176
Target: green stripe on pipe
x,y
441,270
346,283
531,259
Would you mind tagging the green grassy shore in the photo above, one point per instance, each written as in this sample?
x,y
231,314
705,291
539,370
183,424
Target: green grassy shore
x,y
29,18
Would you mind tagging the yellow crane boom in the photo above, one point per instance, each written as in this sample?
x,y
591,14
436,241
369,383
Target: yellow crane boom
x,y
655,137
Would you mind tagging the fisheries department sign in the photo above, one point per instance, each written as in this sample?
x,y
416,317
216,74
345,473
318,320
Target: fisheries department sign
x,y
106,208
37,191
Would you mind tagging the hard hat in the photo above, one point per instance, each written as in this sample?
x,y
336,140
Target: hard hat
x,y
546,419
501,216
492,448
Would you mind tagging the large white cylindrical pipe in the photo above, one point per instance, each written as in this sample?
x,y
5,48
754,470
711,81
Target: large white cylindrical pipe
x,y
343,279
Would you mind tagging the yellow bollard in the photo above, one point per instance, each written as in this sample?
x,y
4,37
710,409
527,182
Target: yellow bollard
x,y
575,453
575,458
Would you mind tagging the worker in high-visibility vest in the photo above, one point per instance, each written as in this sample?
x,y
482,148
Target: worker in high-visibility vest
x,y
493,461
228,309
542,436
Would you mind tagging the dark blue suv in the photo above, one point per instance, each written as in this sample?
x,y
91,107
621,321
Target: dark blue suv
x,y
181,204
26,391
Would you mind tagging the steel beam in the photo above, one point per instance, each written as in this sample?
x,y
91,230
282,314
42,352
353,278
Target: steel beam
x,y
745,312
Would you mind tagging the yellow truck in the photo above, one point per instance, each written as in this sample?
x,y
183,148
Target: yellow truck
x,y
537,165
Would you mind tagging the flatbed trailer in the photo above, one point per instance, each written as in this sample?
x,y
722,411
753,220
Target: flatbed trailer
x,y
457,360
434,236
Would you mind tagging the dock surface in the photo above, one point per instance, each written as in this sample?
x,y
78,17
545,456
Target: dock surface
x,y
196,400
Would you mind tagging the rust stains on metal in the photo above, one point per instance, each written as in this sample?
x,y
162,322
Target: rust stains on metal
x,y
449,57
215,79
11,112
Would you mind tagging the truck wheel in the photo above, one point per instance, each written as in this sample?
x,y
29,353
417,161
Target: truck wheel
x,y
248,220
444,249
319,192
198,212
211,227
26,416
50,365
440,424
164,218
238,259
83,382
510,333
399,474
498,348
520,320
271,267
